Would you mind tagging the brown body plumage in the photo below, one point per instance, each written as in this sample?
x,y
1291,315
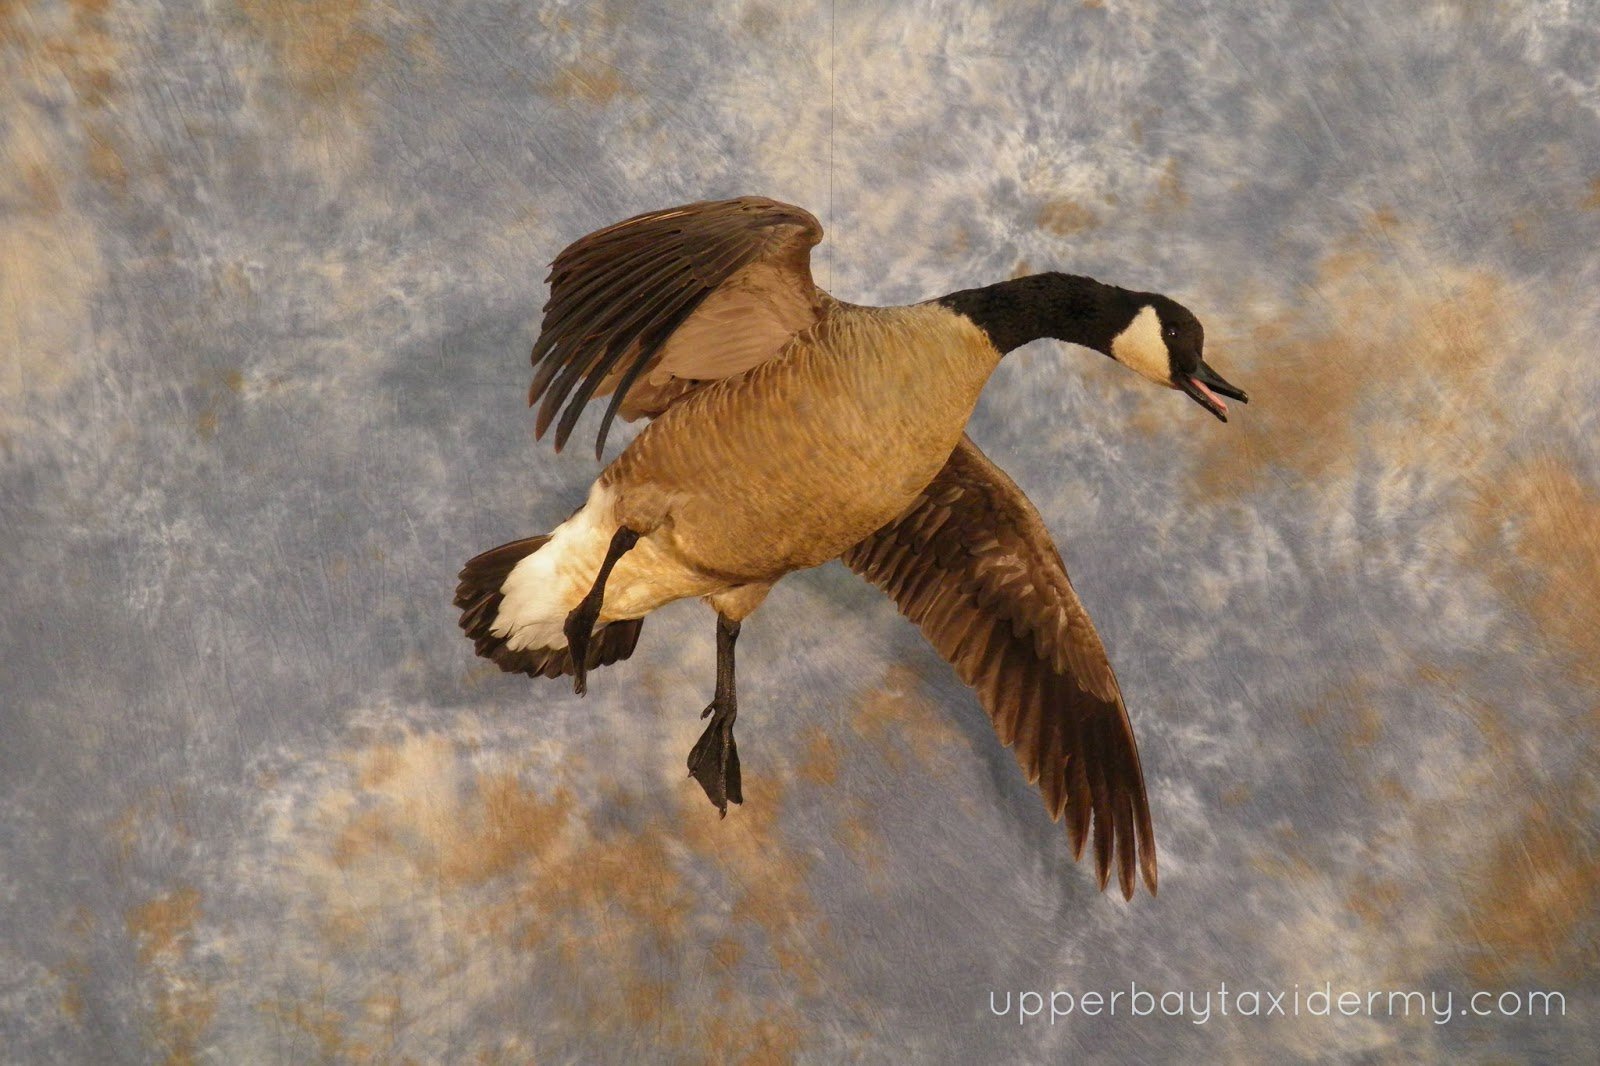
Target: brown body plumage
x,y
790,429
800,458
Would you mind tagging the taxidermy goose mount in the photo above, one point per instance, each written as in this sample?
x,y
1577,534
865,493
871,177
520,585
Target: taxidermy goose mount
x,y
790,428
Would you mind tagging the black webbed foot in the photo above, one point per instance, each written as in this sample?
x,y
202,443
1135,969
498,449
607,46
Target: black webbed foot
x,y
714,762
579,626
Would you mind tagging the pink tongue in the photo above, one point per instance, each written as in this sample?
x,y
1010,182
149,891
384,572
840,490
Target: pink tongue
x,y
1214,397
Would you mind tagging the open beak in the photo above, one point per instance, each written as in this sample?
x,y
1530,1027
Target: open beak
x,y
1203,387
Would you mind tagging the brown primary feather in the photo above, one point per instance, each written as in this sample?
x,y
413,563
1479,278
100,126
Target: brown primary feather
x,y
973,566
635,304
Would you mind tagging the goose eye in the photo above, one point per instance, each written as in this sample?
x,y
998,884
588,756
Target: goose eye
x,y
1169,332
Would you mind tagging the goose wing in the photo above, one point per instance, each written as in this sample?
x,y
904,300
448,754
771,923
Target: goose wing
x,y
654,306
972,564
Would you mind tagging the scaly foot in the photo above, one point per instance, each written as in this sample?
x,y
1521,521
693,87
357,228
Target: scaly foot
x,y
714,762
579,627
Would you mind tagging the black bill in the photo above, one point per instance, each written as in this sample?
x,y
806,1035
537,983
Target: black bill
x,y
1204,385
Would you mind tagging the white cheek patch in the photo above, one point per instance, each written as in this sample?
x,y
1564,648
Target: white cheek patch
x,y
1141,349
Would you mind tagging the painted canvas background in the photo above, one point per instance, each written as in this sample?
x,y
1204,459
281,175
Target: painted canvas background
x,y
269,273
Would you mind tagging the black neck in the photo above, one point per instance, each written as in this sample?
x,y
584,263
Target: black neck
x,y
1064,306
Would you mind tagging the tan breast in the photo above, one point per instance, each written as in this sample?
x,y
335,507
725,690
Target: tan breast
x,y
802,457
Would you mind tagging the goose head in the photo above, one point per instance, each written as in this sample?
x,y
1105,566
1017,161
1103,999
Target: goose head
x,y
1153,335
1163,341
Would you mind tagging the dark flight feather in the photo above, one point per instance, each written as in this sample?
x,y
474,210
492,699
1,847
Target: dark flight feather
x,y
973,566
618,295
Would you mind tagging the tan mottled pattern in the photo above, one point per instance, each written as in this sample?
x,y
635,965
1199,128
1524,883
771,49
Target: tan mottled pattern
x,y
269,275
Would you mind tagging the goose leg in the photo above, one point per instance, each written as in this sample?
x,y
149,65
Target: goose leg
x,y
579,626
714,762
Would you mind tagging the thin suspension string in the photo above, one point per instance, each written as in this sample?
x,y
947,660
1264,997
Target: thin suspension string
x,y
832,244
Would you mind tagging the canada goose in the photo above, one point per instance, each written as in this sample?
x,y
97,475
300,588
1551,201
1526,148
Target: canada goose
x,y
791,428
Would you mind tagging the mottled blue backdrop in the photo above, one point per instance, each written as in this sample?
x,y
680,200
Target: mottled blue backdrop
x,y
269,274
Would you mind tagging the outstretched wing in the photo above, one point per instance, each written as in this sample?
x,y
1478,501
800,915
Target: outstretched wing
x,y
647,309
972,564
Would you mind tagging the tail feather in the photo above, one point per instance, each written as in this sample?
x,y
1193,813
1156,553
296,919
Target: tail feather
x,y
479,597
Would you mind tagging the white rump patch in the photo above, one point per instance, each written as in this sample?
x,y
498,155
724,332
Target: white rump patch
x,y
1141,348
544,587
